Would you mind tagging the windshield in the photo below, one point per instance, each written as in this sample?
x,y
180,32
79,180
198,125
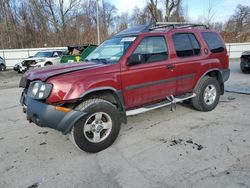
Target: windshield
x,y
43,54
111,50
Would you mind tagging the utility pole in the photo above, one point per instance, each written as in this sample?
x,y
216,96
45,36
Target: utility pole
x,y
97,22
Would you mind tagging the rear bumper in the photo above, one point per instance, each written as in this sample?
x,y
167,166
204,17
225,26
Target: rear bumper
x,y
45,115
225,74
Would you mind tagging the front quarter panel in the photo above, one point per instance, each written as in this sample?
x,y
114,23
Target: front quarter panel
x,y
71,86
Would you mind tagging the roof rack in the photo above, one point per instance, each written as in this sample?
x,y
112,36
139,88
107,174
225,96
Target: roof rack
x,y
176,25
135,30
158,25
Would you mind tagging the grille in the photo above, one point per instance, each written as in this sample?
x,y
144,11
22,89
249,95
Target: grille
x,y
27,63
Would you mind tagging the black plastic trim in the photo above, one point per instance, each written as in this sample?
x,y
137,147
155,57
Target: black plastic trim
x,y
225,74
131,87
45,115
119,98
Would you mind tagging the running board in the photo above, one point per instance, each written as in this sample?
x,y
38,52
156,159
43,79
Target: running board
x,y
170,101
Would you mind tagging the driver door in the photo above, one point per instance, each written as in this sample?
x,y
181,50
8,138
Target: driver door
x,y
152,79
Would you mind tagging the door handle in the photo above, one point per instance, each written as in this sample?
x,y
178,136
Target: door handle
x,y
171,66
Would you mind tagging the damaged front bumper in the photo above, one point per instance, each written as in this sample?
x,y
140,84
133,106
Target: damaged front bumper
x,y
19,68
45,115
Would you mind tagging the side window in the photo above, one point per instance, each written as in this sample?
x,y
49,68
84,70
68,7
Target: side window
x,y
195,44
213,41
55,54
186,45
152,49
59,53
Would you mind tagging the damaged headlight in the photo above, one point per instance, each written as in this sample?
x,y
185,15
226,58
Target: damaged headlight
x,y
39,90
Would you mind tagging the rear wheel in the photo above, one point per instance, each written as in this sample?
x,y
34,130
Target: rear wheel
x,y
207,94
99,128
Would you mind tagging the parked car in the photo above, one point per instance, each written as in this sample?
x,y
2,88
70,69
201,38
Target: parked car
x,y
2,64
77,53
135,71
40,59
245,62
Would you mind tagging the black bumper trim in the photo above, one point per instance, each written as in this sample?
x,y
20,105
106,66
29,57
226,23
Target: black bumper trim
x,y
45,115
225,74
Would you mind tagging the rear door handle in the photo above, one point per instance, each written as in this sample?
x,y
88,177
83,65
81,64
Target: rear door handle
x,y
171,66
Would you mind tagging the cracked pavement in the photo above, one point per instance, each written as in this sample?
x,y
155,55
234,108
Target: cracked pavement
x,y
185,148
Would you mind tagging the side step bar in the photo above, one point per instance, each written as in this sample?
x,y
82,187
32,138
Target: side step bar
x,y
170,101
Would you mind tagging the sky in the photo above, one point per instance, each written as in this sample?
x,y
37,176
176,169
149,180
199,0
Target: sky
x,y
195,9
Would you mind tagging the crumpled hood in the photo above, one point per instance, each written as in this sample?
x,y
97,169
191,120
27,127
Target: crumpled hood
x,y
49,71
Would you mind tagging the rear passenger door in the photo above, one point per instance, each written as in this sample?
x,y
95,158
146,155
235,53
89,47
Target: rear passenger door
x,y
187,61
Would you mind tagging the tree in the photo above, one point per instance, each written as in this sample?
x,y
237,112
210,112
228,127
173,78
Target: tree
x,y
210,13
156,14
239,24
170,7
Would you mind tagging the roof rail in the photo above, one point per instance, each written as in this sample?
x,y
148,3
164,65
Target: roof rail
x,y
176,25
135,30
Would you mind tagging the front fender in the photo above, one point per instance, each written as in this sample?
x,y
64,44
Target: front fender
x,y
118,97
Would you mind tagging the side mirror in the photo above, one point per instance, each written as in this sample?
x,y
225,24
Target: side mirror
x,y
135,59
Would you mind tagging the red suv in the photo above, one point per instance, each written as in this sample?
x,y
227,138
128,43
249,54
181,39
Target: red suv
x,y
137,70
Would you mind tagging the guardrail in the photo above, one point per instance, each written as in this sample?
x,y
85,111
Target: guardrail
x,y
235,49
13,56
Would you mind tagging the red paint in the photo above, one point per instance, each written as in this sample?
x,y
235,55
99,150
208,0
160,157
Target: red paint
x,y
72,85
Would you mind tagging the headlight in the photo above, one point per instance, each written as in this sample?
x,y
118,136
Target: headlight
x,y
39,90
40,60
35,89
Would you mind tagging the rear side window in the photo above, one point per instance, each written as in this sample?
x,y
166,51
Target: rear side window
x,y
186,45
213,41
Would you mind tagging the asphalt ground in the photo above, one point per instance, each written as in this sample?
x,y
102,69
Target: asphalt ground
x,y
185,148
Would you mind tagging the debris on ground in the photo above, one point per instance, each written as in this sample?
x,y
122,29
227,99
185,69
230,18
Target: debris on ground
x,y
44,132
43,143
179,141
231,98
35,185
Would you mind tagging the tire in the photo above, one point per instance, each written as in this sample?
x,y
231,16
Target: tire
x,y
48,64
2,67
207,94
243,68
89,134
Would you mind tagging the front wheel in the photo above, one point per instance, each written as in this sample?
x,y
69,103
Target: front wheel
x,y
207,94
48,64
99,128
